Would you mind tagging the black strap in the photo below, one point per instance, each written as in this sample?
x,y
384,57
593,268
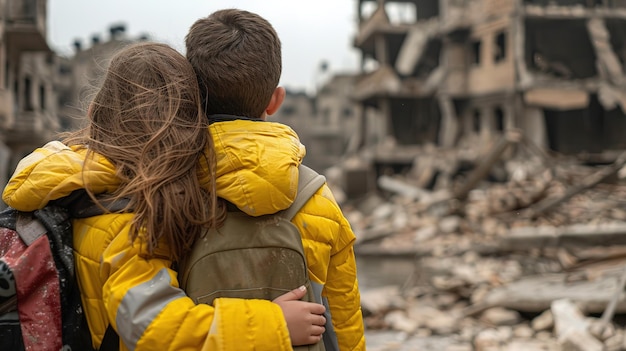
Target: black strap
x,y
110,341
80,205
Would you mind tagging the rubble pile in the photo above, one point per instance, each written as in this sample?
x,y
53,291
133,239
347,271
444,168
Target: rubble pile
x,y
522,254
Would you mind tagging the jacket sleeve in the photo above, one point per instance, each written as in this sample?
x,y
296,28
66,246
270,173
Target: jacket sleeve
x,y
150,312
343,294
328,240
54,171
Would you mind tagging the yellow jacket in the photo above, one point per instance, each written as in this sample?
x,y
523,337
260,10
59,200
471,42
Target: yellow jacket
x,y
257,171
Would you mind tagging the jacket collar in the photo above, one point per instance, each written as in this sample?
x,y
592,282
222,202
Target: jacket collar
x,y
220,117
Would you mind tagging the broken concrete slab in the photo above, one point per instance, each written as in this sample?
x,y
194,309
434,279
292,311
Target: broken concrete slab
x,y
572,328
536,293
608,64
611,97
578,235
555,98
382,81
414,45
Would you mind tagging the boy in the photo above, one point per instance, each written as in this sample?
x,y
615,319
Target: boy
x,y
237,58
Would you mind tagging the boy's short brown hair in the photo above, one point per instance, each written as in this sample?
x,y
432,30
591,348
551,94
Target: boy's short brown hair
x,y
237,57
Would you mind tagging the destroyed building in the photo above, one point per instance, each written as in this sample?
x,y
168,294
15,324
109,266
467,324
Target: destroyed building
x,y
42,92
456,83
27,82
459,73
327,123
80,72
333,126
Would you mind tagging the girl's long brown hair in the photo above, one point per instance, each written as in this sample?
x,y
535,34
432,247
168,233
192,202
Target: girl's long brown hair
x,y
147,120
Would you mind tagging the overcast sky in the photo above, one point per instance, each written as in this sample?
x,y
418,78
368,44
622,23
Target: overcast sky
x,y
311,31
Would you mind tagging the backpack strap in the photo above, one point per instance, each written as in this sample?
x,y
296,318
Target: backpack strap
x,y
76,205
80,204
29,228
309,182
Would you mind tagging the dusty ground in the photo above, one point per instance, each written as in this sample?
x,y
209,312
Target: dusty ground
x,y
531,262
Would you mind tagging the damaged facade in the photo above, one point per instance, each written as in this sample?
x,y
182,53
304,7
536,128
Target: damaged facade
x,y
43,93
327,123
79,73
501,173
457,74
27,82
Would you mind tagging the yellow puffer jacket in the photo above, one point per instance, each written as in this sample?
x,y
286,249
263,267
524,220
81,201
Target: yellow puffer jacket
x,y
257,171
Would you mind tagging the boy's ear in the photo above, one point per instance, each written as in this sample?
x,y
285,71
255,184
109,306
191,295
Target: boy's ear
x,y
277,99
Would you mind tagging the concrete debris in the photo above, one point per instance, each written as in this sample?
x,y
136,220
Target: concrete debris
x,y
525,262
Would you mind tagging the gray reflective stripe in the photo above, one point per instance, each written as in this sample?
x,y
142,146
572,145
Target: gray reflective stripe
x,y
142,304
317,291
330,337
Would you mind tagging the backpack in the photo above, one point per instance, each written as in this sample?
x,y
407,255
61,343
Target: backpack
x,y
40,303
256,258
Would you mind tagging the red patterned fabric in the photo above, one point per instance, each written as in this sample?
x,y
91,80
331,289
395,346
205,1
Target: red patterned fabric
x,y
38,293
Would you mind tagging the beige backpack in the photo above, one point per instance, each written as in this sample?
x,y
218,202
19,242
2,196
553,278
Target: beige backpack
x,y
256,258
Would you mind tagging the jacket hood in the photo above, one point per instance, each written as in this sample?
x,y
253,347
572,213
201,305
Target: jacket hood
x,y
54,171
257,164
257,169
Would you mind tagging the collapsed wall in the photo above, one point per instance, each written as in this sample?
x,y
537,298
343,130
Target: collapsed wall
x,y
459,73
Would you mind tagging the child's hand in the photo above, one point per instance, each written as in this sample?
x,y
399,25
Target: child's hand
x,y
304,319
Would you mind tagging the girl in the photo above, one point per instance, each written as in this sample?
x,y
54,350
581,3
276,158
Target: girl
x,y
147,141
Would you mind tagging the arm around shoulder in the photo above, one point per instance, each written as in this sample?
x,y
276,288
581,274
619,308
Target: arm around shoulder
x,y
152,313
